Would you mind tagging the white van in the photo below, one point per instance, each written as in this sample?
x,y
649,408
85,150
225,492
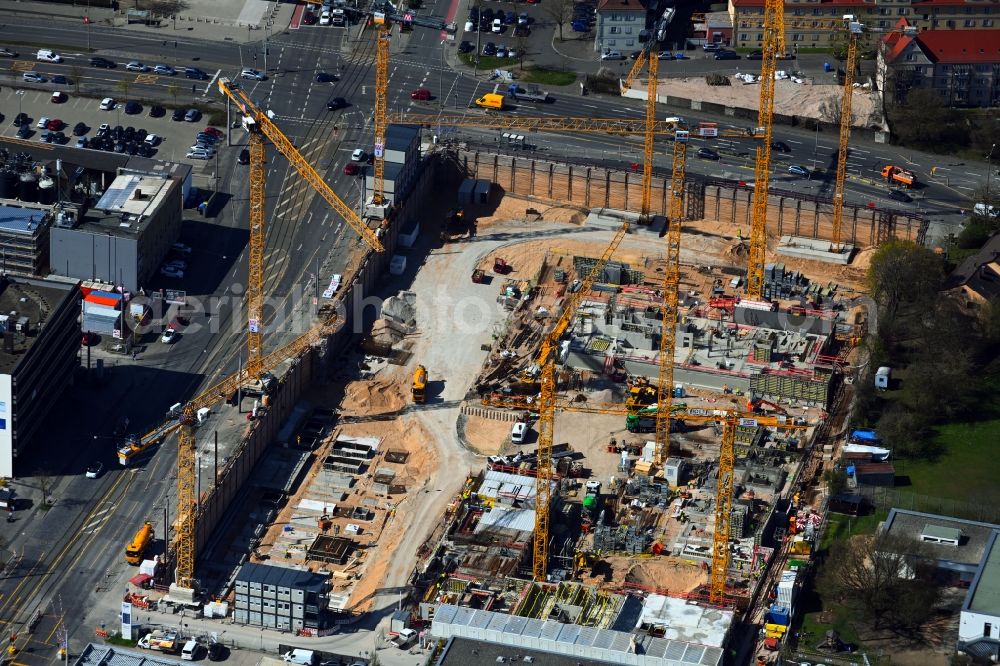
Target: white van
x,y
986,210
48,55
301,657
518,432
190,650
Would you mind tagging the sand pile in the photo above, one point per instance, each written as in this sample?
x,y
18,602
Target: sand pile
x,y
667,573
513,208
488,437
374,396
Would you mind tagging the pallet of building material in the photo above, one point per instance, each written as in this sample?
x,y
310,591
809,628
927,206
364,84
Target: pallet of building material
x,y
643,467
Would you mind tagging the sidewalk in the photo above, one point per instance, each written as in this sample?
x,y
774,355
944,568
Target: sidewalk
x,y
237,21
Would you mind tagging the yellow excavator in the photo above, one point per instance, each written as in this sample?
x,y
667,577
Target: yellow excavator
x,y
419,388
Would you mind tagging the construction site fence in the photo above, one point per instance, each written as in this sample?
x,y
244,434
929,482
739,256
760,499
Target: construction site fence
x,y
578,182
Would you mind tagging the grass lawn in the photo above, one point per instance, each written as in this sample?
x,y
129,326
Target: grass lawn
x,y
841,527
813,630
967,470
548,77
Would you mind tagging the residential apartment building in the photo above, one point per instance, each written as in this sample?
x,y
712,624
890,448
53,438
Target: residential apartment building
x,y
962,66
815,23
619,23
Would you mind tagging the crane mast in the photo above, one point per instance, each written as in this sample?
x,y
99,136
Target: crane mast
x,y
668,308
255,280
546,408
854,29
723,511
774,41
381,92
649,136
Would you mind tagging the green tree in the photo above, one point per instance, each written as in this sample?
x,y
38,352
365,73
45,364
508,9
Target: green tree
x,y
903,274
836,481
921,119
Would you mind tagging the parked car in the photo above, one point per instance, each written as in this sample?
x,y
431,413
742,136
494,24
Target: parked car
x,y
510,18
42,123
523,18
25,131
80,129
157,111
798,170
165,70
98,61
58,97
107,104
214,131
664,55
178,115
167,271
612,55
136,66
153,140
359,155
198,155
466,47
192,115
20,119
94,469
727,55
501,51
309,18
81,142
244,157
181,248
497,26
755,55
7,53
195,73
60,80
132,108
711,46
32,77
490,49
251,73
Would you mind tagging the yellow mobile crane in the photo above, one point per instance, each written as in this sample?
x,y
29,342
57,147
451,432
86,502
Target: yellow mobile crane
x,y
774,42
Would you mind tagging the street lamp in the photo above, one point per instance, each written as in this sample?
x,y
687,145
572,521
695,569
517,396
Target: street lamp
x,y
20,98
989,168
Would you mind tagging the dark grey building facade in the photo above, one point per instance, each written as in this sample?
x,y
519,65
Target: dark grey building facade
x,y
281,598
39,342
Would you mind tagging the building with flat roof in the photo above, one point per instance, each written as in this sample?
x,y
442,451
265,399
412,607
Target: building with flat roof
x,y
39,341
466,651
24,239
281,597
566,643
111,655
967,550
401,162
123,238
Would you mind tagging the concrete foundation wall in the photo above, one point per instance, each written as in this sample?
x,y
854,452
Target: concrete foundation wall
x,y
313,365
789,213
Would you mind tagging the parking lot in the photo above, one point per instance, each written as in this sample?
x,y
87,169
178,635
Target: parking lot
x,y
177,135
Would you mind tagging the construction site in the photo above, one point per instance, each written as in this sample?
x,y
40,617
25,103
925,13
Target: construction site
x,y
580,429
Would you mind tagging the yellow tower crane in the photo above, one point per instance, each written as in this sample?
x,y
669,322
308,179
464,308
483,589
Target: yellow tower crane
x,y
382,42
546,359
854,32
261,127
774,42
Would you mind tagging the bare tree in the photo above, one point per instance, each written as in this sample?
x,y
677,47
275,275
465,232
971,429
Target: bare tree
x,y
45,483
174,90
560,11
75,73
521,44
124,85
887,577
